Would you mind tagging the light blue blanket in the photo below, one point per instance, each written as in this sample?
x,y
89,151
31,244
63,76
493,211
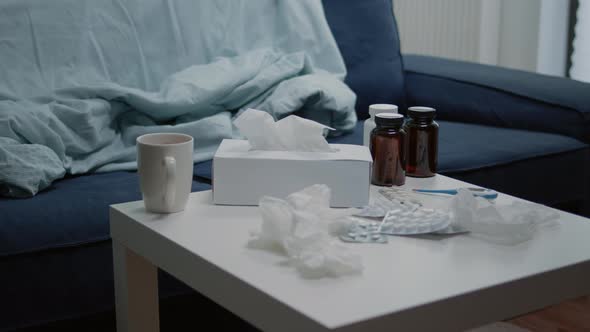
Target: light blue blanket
x,y
81,80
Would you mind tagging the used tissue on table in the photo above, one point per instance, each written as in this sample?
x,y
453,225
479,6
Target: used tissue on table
x,y
303,227
286,156
502,224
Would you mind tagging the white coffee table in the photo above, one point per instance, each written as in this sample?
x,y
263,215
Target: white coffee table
x,y
444,284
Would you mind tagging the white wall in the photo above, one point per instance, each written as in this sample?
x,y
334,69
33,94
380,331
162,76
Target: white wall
x,y
448,28
553,37
498,32
581,56
519,33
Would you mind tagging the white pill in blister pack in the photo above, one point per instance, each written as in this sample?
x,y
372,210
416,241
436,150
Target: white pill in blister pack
x,y
451,229
364,232
421,221
389,199
400,195
401,214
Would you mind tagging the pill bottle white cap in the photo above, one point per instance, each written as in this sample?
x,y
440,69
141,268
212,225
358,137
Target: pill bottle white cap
x,y
421,109
389,115
381,108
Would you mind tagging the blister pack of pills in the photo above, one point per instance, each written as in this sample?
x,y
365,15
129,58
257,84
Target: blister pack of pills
x,y
377,208
387,200
403,196
364,232
451,229
418,221
395,211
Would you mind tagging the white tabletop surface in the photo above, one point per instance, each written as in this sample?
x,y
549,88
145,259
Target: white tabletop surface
x,y
398,277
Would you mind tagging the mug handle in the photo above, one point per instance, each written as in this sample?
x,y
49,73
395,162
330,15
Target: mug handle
x,y
170,193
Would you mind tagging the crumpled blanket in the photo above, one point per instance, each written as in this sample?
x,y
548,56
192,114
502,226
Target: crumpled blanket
x,y
77,87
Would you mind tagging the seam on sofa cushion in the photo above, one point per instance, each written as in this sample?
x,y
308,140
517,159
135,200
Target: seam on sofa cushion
x,y
55,247
583,115
512,161
490,75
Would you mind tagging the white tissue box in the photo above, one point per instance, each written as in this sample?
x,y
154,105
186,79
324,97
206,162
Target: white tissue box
x,y
241,176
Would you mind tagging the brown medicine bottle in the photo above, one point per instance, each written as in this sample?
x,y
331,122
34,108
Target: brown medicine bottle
x,y
387,148
422,142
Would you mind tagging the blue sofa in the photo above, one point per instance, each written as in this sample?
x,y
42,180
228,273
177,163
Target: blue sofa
x,y
520,133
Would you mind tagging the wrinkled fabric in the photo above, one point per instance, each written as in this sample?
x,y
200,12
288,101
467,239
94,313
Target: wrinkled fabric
x,y
501,224
292,133
81,80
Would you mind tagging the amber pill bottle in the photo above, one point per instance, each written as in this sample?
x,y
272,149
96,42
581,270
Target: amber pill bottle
x,y
387,148
422,142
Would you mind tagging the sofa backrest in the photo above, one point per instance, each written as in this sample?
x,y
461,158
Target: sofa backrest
x,y
47,45
51,44
367,35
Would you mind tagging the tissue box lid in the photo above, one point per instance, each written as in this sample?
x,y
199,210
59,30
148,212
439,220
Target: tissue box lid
x,y
234,148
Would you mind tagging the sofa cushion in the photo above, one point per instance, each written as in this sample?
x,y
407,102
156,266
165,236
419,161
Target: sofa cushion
x,y
466,146
495,96
73,211
541,167
367,35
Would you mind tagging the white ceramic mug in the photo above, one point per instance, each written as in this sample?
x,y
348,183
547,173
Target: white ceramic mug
x,y
165,166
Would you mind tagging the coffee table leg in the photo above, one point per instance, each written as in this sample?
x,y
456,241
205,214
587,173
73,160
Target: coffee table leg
x,y
136,291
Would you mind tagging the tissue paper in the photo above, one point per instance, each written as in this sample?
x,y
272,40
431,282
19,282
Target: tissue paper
x,y
303,228
292,133
503,224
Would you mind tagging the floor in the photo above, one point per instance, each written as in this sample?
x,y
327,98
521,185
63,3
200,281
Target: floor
x,y
573,315
499,327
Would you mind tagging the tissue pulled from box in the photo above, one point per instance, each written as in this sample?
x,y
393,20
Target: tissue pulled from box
x,y
502,224
303,227
292,133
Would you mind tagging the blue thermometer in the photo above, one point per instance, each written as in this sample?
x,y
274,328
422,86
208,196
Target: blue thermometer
x,y
479,192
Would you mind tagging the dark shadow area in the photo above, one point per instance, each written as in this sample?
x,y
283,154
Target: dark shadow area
x,y
180,313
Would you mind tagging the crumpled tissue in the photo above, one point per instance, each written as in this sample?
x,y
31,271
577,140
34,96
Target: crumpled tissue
x,y
303,227
292,133
502,224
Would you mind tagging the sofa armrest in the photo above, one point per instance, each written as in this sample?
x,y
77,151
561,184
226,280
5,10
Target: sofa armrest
x,y
490,95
